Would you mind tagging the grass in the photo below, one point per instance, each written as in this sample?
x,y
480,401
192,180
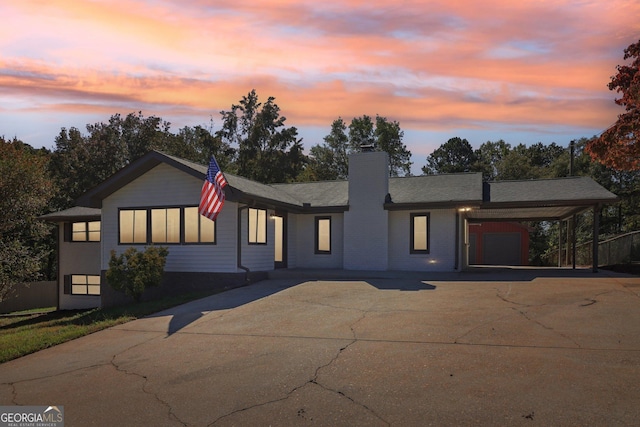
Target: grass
x,y
26,332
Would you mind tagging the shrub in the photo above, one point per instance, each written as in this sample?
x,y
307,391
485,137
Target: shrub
x,y
132,272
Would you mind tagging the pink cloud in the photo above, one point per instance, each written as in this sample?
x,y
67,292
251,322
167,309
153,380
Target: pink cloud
x,y
429,65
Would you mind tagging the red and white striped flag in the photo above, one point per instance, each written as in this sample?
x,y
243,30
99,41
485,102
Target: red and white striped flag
x,y
212,194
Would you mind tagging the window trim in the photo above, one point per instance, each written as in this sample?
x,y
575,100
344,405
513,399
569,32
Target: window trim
x,y
257,226
166,210
149,232
412,249
183,232
68,284
72,234
147,225
317,249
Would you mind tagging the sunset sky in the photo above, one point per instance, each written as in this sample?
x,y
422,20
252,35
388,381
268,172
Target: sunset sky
x,y
524,71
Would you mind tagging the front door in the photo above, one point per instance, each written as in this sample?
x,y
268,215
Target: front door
x,y
280,246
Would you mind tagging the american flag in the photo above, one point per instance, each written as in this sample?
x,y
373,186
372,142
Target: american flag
x,y
212,195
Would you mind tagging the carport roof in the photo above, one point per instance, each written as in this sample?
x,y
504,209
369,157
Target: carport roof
x,y
550,199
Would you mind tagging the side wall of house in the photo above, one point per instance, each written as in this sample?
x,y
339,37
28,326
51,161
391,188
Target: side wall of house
x,y
76,258
442,241
303,241
166,186
257,257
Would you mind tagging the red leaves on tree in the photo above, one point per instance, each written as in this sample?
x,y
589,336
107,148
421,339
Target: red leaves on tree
x,y
619,146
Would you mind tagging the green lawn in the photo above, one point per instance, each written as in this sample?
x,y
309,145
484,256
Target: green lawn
x,y
27,332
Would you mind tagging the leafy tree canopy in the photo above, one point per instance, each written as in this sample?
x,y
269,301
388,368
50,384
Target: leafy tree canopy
x,y
619,146
80,162
331,159
24,193
268,151
456,155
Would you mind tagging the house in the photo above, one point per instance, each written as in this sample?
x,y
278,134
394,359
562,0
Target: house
x,y
368,222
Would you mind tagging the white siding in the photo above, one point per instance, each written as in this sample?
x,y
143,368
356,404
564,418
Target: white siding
x,y
77,258
303,246
162,186
292,241
366,223
442,244
257,257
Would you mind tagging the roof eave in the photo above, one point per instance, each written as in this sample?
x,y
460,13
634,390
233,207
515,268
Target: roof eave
x,y
548,203
432,205
72,218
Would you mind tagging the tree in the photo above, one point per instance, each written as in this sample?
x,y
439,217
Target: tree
x,y
80,162
268,151
389,138
619,147
24,193
488,156
361,132
531,162
456,155
132,272
198,144
331,160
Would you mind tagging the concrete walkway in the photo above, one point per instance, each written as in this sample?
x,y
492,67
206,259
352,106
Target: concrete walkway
x,y
500,348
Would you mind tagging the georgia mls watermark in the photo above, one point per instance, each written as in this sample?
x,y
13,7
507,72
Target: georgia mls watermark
x,y
31,416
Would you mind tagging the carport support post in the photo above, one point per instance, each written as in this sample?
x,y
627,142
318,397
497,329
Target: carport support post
x,y
596,232
574,221
559,243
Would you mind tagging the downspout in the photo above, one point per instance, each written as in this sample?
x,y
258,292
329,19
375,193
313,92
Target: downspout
x,y
239,254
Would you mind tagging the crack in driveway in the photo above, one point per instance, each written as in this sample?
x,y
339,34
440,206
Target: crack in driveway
x,y
314,379
171,414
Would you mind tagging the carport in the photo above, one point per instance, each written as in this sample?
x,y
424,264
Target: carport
x,y
558,199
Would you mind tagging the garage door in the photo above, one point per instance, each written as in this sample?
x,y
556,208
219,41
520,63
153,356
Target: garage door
x,y
501,249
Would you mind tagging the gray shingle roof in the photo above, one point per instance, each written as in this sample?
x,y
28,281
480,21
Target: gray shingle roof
x,y
448,190
258,190
71,214
548,191
437,189
317,194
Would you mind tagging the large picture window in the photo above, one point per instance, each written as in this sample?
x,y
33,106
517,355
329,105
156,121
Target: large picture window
x,y
85,231
419,233
165,225
257,226
323,235
197,228
133,226
181,225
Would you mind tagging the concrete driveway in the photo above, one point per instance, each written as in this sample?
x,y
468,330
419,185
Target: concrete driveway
x,y
512,347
